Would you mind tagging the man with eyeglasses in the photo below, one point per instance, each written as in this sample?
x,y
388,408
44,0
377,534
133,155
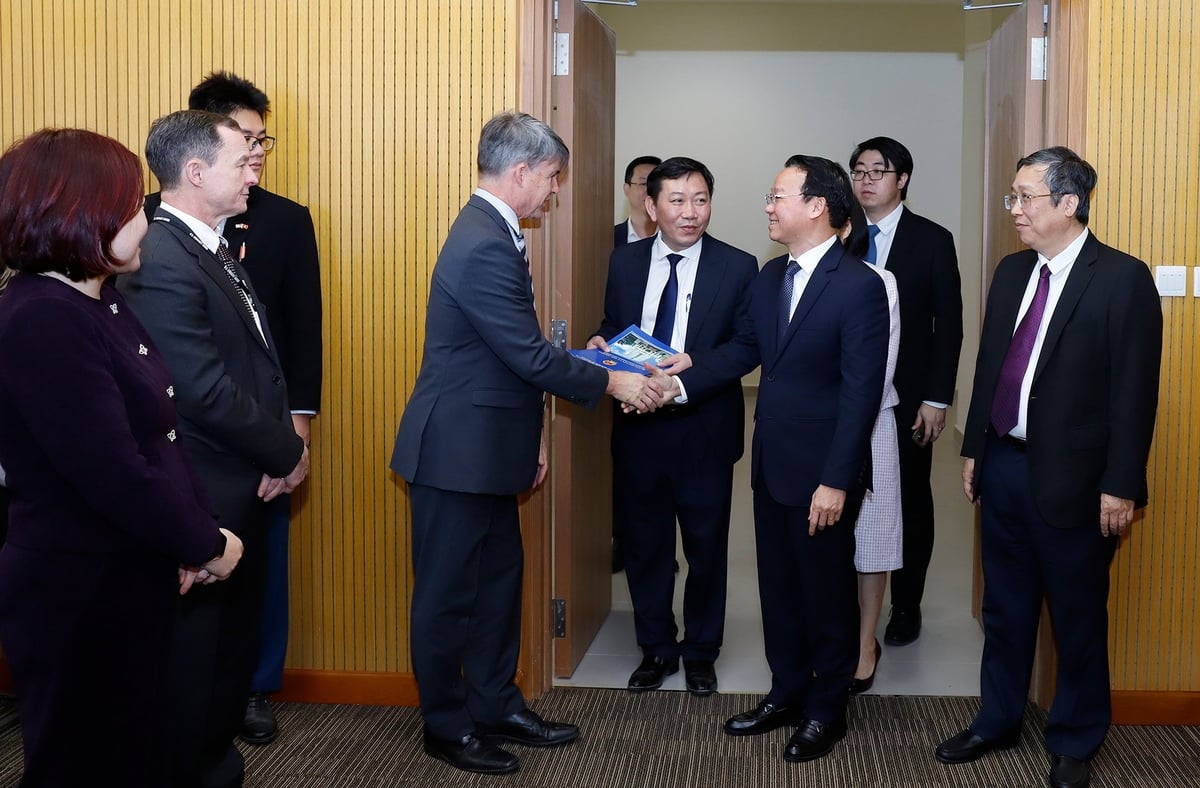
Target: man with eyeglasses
x,y
1057,439
820,327
920,254
639,225
275,242
691,291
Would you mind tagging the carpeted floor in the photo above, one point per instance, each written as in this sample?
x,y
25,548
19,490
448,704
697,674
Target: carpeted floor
x,y
672,740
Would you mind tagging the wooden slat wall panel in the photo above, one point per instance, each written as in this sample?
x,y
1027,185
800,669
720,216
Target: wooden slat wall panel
x,y
1143,135
378,104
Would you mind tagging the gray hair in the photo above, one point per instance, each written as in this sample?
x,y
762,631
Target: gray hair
x,y
512,138
176,138
1066,173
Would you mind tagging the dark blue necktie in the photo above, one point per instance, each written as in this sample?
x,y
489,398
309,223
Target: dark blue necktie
x,y
872,251
664,321
785,296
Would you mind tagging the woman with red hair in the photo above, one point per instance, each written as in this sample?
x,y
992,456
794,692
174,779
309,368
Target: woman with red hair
x,y
107,523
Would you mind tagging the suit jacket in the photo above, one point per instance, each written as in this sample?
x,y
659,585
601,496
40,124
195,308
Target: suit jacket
x,y
718,311
474,419
821,384
621,234
229,385
923,260
1095,387
281,261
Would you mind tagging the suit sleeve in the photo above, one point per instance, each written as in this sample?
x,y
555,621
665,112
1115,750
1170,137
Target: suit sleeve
x,y
947,321
171,300
715,369
1135,336
301,305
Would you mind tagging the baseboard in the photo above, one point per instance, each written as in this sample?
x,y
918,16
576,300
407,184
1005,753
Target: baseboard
x,y
340,686
1133,707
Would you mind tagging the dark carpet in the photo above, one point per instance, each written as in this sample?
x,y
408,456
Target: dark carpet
x,y
673,740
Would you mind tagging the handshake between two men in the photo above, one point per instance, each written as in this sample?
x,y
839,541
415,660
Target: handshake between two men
x,y
645,393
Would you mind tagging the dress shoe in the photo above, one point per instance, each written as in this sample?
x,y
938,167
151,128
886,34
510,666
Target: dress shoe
x,y
528,728
649,675
1068,772
701,677
903,627
470,754
814,740
858,686
259,726
967,747
762,718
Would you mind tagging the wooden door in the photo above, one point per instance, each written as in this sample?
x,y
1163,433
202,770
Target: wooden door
x,y
585,116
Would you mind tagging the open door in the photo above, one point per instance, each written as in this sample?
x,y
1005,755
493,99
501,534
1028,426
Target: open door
x,y
585,116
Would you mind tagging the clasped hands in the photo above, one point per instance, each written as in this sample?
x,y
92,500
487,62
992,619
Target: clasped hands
x,y
645,393
220,568
270,488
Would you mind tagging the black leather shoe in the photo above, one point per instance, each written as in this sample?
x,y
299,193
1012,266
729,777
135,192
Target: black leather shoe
x,y
701,677
903,627
470,754
967,747
1068,772
814,740
259,726
858,686
762,718
649,675
528,728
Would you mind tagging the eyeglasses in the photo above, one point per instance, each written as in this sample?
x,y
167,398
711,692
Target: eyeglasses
x,y
771,199
873,175
636,183
1021,200
267,143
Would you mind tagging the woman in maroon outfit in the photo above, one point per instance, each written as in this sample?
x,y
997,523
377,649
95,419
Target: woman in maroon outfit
x,y
107,525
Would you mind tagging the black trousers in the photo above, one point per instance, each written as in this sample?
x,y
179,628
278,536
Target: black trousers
x,y
916,504
466,607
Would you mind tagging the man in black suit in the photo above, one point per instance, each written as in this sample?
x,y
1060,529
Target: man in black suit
x,y
275,242
820,327
920,254
204,316
640,224
470,440
1058,435
692,292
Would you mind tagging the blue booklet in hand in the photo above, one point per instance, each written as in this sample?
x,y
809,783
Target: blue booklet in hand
x,y
628,351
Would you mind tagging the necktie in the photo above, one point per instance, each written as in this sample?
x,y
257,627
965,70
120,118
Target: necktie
x,y
520,238
226,261
1006,405
664,321
785,295
872,251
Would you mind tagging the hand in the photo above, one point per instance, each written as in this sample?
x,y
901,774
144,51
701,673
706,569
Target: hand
x,y
639,391
187,577
931,422
302,424
269,488
825,509
221,568
299,473
676,363
668,383
597,343
543,463
1116,514
968,477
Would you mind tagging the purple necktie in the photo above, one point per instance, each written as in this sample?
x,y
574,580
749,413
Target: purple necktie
x,y
1006,405
664,321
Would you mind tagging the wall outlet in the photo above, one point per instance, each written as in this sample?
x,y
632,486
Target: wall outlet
x,y
1171,280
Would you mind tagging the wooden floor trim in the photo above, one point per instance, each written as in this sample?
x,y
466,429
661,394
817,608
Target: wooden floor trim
x,y
1132,707
333,686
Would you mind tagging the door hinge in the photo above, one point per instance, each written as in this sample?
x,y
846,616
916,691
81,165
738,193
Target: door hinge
x,y
558,333
558,618
562,54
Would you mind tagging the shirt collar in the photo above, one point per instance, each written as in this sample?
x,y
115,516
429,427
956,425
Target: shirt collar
x,y
808,260
510,216
661,250
1067,256
887,225
209,238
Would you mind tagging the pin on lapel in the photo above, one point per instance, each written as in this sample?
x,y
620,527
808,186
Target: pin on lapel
x,y
241,226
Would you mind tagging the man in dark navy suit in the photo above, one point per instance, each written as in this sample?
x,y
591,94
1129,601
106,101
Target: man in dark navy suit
x,y
692,292
920,254
1056,444
820,320
275,242
470,440
640,224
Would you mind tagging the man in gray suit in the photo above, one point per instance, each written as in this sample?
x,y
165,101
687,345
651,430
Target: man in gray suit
x,y
470,439
233,410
